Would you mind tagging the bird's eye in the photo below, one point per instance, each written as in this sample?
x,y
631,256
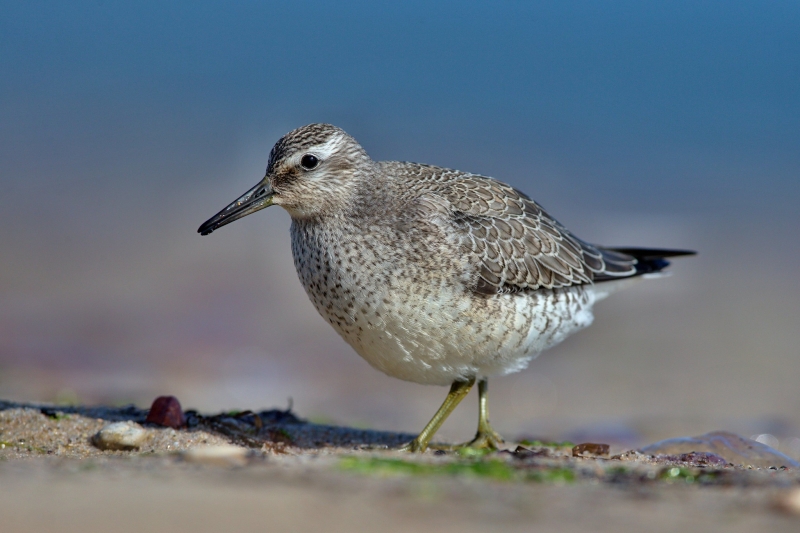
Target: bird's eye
x,y
309,162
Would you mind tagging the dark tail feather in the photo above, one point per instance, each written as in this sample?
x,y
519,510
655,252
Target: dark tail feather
x,y
649,260
643,254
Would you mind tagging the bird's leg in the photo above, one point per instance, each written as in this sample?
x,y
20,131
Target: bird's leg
x,y
486,437
458,390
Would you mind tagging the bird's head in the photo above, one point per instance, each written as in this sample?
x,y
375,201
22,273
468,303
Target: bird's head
x,y
312,171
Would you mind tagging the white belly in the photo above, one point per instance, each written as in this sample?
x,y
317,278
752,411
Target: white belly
x,y
438,342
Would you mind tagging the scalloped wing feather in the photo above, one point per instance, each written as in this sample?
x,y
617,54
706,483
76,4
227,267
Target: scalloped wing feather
x,y
516,244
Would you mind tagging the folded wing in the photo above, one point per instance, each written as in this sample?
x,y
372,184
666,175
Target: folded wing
x,y
518,246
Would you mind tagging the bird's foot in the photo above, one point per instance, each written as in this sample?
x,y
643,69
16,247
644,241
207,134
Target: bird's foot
x,y
487,439
415,446
418,446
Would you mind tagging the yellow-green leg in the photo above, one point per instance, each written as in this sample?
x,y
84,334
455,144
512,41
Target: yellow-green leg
x,y
458,390
486,437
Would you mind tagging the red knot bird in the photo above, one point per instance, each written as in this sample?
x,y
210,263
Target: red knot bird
x,y
432,275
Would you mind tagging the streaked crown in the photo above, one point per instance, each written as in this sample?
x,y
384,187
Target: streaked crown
x,y
315,169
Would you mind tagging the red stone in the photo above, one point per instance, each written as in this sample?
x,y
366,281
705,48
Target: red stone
x,y
166,411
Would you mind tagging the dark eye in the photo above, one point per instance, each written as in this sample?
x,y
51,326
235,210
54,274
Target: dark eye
x,y
309,162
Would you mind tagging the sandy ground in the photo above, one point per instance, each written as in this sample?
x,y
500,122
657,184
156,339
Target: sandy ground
x,y
288,475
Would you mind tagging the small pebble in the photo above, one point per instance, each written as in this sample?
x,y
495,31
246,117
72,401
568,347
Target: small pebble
x,y
221,455
166,411
120,436
590,449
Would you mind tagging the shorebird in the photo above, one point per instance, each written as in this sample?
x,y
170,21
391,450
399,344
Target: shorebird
x,y
433,275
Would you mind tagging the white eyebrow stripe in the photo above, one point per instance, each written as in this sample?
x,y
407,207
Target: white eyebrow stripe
x,y
322,151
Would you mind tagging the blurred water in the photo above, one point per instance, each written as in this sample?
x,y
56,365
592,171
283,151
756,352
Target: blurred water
x,y
123,127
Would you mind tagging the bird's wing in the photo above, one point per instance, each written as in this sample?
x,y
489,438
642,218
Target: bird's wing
x,y
517,246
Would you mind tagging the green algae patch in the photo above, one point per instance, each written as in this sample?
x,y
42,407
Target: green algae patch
x,y
551,475
494,469
678,474
466,451
491,469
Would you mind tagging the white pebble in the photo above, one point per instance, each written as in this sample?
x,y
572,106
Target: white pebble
x,y
120,436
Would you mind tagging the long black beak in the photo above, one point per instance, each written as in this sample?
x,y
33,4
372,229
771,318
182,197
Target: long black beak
x,y
253,200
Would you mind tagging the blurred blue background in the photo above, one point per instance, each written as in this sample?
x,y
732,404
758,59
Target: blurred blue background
x,y
123,126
